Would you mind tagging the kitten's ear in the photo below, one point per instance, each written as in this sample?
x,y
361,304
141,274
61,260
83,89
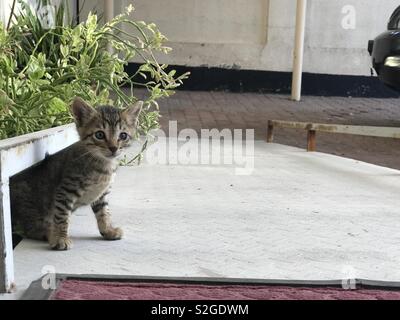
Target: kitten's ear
x,y
132,113
81,111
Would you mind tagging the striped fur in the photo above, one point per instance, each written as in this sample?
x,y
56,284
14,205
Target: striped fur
x,y
44,196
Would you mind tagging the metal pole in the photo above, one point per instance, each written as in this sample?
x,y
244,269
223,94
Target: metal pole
x,y
299,49
108,16
4,8
2,12
108,10
75,11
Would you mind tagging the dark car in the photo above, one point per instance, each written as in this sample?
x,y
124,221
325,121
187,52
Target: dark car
x,y
385,52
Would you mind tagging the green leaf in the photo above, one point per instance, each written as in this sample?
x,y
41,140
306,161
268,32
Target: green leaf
x,y
91,22
36,67
64,49
57,105
5,101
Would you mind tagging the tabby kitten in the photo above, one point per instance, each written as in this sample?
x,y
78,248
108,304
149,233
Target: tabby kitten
x,y
44,196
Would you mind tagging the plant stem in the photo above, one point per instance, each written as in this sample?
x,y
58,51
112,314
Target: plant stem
x,y
11,15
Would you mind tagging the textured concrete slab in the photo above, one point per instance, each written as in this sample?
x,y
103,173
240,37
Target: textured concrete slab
x,y
299,215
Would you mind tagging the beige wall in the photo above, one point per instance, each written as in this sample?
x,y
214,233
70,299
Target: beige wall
x,y
209,21
259,34
5,6
332,49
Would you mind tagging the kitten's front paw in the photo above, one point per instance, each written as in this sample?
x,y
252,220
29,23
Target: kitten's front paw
x,y
112,234
61,244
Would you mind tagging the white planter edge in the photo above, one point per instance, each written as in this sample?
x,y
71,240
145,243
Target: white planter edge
x,y
16,155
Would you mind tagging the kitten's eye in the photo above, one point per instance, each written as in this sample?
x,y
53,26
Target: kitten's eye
x,y
123,136
99,135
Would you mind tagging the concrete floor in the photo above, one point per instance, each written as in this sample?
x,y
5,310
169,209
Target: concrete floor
x,y
299,215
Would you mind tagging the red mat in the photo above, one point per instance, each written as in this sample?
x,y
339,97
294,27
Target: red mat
x,y
110,290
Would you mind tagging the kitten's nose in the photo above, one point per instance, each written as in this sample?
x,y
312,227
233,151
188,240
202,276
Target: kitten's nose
x,y
113,149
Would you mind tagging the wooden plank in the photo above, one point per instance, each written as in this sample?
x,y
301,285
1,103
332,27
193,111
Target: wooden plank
x,y
290,124
311,140
270,132
370,131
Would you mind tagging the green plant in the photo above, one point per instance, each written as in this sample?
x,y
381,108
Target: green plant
x,y
43,69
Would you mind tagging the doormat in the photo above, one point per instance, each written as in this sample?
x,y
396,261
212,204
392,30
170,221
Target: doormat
x,y
100,287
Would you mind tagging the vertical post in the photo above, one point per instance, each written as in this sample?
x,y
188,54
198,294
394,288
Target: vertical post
x,y
75,11
108,16
299,49
108,10
5,9
2,13
6,247
270,132
311,140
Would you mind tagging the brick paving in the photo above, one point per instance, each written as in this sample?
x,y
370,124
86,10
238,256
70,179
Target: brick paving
x,y
220,110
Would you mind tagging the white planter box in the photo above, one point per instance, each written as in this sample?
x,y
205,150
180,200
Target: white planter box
x,y
17,154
